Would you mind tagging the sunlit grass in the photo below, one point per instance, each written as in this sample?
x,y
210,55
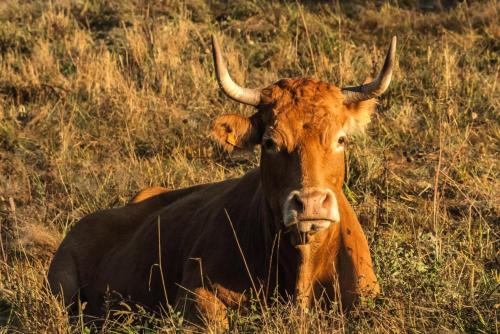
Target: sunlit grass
x,y
100,99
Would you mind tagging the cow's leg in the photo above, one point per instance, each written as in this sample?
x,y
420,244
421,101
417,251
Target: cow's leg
x,y
201,306
357,276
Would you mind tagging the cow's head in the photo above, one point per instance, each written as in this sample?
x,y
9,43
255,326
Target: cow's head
x,y
302,126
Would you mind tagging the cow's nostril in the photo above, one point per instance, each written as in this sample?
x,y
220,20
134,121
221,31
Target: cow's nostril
x,y
297,203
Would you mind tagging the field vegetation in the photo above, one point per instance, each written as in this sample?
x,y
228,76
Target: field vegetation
x,y
99,99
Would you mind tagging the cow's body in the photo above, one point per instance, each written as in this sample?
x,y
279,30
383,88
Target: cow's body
x,y
285,227
148,193
198,256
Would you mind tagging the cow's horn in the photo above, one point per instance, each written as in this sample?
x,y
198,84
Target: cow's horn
x,y
377,86
232,89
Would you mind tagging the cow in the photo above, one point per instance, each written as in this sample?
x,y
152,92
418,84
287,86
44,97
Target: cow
x,y
283,229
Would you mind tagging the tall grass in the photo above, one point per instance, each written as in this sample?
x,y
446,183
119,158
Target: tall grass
x,y
99,99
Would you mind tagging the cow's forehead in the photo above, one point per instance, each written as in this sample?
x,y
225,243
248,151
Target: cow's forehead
x,y
304,105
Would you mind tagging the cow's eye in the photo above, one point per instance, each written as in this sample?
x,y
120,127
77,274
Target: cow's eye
x,y
342,140
269,145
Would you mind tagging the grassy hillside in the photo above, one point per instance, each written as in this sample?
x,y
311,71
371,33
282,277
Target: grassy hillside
x,y
99,99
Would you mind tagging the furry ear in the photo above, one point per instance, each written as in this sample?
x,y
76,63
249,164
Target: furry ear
x,y
358,115
235,131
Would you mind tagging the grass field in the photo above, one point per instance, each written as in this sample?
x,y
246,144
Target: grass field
x,y
99,99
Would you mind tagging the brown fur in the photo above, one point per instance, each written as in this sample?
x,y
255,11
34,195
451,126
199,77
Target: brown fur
x,y
144,194
219,241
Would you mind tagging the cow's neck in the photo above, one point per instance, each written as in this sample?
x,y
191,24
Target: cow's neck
x,y
253,223
304,278
304,266
268,249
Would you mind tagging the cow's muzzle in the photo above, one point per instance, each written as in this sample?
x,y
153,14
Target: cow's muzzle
x,y
310,211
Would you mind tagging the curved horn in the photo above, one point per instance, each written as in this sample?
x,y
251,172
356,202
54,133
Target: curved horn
x,y
377,86
232,89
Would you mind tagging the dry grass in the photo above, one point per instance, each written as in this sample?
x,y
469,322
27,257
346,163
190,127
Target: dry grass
x,y
99,99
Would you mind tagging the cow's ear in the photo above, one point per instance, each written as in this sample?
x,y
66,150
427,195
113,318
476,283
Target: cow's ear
x,y
235,131
358,115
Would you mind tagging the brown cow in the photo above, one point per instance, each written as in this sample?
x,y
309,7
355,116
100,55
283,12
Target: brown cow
x,y
285,227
